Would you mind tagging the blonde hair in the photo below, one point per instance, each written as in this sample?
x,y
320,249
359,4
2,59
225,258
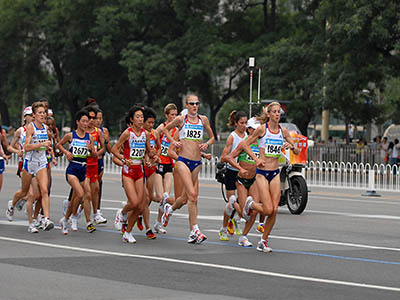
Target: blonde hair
x,y
169,107
263,118
36,105
190,95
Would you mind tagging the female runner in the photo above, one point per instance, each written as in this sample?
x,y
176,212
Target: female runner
x,y
37,143
191,127
164,176
272,137
136,143
245,180
81,145
237,119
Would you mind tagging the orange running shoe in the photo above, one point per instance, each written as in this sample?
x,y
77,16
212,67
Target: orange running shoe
x,y
231,230
139,223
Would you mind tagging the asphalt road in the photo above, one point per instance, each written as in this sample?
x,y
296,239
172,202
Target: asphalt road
x,y
344,246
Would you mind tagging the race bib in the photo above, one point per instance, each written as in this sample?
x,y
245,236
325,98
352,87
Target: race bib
x,y
42,137
80,149
137,150
164,148
273,147
193,132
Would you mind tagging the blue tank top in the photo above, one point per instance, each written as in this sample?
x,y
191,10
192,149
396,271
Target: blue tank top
x,y
79,147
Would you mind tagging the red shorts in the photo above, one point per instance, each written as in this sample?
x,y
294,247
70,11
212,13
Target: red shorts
x,y
134,172
92,172
149,171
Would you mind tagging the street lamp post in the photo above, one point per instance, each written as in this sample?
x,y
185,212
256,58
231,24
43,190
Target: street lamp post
x,y
252,63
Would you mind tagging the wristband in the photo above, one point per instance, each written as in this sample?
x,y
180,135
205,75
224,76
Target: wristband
x,y
123,160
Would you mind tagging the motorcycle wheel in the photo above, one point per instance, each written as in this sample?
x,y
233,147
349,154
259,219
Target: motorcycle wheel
x,y
297,200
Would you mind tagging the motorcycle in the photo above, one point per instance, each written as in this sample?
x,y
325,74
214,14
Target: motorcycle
x,y
294,190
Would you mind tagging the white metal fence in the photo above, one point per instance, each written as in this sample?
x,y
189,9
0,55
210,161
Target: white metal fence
x,y
382,177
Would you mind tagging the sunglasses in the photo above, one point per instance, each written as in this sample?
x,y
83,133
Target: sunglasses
x,y
92,118
194,103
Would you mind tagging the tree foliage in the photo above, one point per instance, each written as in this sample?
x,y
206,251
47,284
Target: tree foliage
x,y
315,53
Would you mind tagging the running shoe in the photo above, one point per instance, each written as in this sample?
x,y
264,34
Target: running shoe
x,y
36,223
102,217
118,220
236,226
192,238
10,211
32,228
247,208
244,241
123,229
230,228
65,206
260,228
74,223
99,219
47,224
229,206
20,204
164,199
158,228
262,246
128,237
223,235
139,223
199,237
64,226
90,227
166,214
150,235
80,211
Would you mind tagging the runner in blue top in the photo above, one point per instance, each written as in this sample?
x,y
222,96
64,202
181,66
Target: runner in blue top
x,y
80,147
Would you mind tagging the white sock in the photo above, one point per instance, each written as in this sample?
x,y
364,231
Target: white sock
x,y
195,227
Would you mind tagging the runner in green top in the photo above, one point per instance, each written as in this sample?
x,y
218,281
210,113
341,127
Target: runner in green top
x,y
244,180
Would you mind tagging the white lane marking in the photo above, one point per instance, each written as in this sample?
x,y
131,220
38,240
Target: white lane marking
x,y
321,241
209,265
218,218
384,217
317,197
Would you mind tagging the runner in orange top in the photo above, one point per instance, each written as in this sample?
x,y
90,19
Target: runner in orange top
x,y
92,173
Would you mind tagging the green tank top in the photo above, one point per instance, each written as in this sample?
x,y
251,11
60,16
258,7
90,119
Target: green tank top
x,y
247,158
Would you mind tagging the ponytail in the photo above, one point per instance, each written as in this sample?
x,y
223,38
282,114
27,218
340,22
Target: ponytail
x,y
263,118
234,117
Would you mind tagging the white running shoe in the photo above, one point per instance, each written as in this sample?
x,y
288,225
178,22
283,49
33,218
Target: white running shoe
x,y
80,211
40,219
247,208
99,219
64,226
128,237
229,206
118,220
192,238
164,198
263,246
10,211
20,204
65,206
244,241
167,213
74,223
158,228
32,228
47,224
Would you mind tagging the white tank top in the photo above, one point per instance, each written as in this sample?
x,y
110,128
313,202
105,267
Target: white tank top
x,y
236,140
272,142
21,140
192,131
39,136
136,146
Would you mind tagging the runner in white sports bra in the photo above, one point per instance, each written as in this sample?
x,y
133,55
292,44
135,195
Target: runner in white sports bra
x,y
272,137
191,127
